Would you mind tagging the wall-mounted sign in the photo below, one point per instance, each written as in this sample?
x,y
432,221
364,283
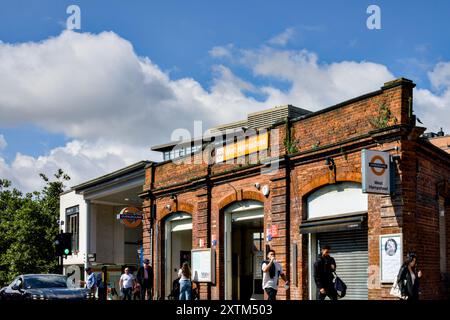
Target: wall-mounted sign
x,y
376,172
269,234
92,257
203,265
131,217
274,230
246,146
390,256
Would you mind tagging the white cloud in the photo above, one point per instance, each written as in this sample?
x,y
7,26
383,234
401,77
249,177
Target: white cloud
x,y
114,104
433,108
440,76
283,38
3,142
82,160
221,51
313,85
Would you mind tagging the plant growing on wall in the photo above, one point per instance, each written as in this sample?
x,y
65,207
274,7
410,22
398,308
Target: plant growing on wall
x,y
289,143
384,117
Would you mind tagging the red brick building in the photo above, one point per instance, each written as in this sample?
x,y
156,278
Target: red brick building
x,y
313,198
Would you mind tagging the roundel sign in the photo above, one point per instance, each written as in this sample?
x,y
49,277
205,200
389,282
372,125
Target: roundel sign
x,y
131,217
376,175
377,165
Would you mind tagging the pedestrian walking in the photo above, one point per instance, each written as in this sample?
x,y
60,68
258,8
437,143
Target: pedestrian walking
x,y
272,271
126,284
102,284
91,282
145,280
185,282
408,278
324,269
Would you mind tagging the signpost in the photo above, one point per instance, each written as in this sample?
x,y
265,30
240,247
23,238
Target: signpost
x,y
376,172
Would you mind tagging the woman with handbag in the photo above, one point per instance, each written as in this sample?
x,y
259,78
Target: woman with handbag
x,y
408,278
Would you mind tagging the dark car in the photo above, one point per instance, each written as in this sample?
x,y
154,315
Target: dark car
x,y
43,287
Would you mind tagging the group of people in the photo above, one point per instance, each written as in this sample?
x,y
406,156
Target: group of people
x,y
324,276
139,287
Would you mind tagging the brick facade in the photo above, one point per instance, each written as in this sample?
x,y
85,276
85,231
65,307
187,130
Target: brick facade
x,y
422,175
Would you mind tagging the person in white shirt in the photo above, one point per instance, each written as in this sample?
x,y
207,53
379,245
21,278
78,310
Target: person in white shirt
x,y
272,270
185,282
126,284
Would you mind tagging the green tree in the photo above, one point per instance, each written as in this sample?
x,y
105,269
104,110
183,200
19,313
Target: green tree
x,y
28,227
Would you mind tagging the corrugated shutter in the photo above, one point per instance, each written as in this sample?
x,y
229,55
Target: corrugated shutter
x,y
349,249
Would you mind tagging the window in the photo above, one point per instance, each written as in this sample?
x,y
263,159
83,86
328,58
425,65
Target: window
x,y
72,226
258,238
166,155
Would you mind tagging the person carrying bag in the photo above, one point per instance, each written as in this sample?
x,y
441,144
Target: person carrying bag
x,y
339,286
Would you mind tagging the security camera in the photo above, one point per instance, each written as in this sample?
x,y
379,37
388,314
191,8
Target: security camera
x,y
257,185
168,206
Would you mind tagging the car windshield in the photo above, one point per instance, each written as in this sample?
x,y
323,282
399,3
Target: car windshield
x,y
45,281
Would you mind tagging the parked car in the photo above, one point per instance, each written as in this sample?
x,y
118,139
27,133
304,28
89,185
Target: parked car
x,y
43,287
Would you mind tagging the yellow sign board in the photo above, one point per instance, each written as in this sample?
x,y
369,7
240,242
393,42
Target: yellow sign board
x,y
241,148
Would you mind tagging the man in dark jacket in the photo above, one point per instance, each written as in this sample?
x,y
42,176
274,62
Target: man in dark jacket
x,y
145,280
324,268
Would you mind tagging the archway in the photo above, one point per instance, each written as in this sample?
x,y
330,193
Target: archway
x,y
177,246
243,250
337,217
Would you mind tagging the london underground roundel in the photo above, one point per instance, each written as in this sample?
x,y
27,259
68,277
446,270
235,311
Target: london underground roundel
x,y
131,217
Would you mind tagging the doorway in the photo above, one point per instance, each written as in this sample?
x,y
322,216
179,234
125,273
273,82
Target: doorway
x,y
244,241
178,246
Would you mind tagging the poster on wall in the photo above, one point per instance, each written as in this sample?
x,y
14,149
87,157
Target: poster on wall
x,y
203,265
390,257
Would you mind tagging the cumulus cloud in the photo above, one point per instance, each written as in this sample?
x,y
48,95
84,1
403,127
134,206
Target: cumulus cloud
x,y
82,160
114,104
283,38
3,143
313,85
433,106
222,51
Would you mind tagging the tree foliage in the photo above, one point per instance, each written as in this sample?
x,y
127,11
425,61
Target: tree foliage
x,y
28,227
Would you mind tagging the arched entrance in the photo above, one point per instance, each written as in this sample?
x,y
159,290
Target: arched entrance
x,y
177,246
244,238
337,217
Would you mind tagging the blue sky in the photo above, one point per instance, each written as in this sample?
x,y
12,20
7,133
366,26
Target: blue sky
x,y
178,38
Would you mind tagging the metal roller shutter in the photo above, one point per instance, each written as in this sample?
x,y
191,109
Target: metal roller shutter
x,y
349,249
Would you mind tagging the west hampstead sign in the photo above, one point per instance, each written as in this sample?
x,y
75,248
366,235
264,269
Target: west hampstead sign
x,y
376,172
131,217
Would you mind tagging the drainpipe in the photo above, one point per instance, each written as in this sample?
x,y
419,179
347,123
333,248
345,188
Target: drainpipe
x,y
87,236
152,223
